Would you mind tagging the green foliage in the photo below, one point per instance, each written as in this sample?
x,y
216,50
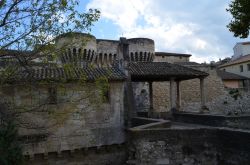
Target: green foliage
x,y
10,149
234,93
240,23
26,23
102,85
8,73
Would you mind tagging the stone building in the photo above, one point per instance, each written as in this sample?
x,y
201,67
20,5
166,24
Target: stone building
x,y
240,62
171,57
240,66
86,96
231,80
59,110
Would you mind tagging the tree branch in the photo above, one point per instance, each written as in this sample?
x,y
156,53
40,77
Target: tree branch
x,y
9,12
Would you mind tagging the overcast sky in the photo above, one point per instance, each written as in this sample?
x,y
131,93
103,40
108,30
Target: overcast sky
x,y
197,27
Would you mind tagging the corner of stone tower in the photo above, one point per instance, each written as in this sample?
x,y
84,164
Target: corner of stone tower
x,y
123,54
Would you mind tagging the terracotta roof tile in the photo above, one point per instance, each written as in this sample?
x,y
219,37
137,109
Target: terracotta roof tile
x,y
61,74
162,71
242,59
230,76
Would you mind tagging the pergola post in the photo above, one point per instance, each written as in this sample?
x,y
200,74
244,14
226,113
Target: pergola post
x,y
172,94
151,108
178,101
202,90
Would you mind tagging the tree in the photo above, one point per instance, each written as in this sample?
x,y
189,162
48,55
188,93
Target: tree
x,y
25,24
10,148
240,23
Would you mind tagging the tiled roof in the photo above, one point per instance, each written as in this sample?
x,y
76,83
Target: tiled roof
x,y
61,74
162,71
10,53
171,54
187,63
242,59
230,76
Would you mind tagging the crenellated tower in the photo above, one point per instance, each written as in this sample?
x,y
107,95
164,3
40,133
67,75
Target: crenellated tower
x,y
82,49
141,50
76,48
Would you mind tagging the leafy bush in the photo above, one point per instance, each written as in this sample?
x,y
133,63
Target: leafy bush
x,y
10,148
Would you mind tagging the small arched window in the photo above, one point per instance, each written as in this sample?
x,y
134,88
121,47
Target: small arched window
x,y
136,56
141,57
85,54
131,57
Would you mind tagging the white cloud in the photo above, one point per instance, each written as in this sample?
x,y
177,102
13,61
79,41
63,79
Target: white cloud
x,y
200,44
122,12
180,27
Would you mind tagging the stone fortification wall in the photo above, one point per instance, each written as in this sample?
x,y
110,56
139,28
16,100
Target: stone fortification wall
x,y
107,52
77,120
141,49
161,96
141,96
76,48
77,40
81,48
190,91
189,146
170,59
113,154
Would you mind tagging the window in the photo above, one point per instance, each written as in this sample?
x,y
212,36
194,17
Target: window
x,y
241,68
248,67
52,98
106,96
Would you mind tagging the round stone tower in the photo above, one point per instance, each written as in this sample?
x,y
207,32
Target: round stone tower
x,y
141,49
77,48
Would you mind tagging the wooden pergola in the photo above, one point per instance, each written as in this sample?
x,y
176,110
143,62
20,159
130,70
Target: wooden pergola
x,y
162,71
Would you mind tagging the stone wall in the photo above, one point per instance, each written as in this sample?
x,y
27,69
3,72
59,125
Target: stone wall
x,y
141,45
172,147
161,97
233,103
239,121
189,146
107,52
106,155
190,91
141,96
170,59
79,119
107,46
218,99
